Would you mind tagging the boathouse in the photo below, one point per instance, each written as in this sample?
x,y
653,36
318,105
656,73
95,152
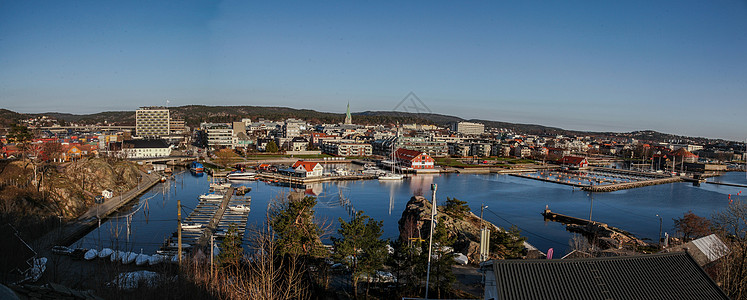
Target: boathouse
x,y
308,168
417,160
653,276
574,161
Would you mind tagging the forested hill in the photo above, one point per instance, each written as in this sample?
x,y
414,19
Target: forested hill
x,y
195,114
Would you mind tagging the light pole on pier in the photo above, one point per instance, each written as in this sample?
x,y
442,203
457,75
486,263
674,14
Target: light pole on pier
x,y
660,221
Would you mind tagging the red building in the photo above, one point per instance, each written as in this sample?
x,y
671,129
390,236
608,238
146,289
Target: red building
x,y
574,161
414,159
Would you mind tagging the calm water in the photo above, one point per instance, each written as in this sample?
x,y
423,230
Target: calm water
x,y
510,200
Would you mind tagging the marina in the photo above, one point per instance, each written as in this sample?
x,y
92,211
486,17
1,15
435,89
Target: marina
x,y
512,200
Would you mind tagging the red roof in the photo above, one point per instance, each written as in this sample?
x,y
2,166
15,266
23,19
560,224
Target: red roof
x,y
406,154
574,160
307,165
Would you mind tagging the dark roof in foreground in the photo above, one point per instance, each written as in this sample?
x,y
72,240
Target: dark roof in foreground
x,y
654,276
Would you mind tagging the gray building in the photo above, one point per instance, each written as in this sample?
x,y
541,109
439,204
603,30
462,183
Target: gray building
x,y
468,128
152,122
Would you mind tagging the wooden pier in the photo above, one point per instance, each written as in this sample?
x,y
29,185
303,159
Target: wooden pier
x,y
727,184
214,215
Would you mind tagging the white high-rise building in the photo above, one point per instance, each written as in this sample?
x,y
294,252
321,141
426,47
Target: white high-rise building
x,y
152,122
469,128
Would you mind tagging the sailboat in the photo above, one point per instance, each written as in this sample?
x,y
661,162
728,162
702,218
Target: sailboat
x,y
393,175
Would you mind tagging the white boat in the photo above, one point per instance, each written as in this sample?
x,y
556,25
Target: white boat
x,y
241,176
142,259
211,197
189,226
104,253
239,207
341,172
156,259
129,257
391,176
90,254
220,186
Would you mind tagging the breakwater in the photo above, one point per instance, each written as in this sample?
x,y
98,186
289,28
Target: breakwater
x,y
629,185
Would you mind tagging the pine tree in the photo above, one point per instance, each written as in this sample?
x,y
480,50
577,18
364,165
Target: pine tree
x,y
292,220
360,247
442,277
230,249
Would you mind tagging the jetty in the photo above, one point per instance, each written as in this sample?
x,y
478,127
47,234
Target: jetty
x,y
727,184
213,215
604,235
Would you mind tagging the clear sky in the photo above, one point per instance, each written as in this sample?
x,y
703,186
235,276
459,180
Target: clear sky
x,y
672,66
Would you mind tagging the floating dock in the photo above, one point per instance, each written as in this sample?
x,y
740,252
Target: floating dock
x,y
213,215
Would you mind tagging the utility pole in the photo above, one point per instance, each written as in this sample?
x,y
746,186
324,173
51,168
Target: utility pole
x,y
430,243
591,207
179,228
212,240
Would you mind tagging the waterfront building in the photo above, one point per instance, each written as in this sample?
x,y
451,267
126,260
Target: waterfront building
x,y
431,147
417,160
468,128
152,122
137,149
346,148
574,161
480,149
307,169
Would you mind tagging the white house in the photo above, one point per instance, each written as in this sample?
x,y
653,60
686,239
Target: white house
x,y
308,168
146,149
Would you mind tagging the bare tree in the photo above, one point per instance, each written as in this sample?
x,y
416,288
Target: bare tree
x,y
731,271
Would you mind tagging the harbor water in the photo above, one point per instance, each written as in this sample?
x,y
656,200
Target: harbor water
x,y
146,223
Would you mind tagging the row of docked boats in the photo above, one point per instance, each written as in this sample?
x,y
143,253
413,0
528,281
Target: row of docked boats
x,y
117,256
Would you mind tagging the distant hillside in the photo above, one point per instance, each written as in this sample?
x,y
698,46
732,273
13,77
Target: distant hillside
x,y
8,117
195,114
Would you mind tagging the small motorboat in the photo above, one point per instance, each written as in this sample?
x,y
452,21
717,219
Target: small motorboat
x,y
239,207
163,178
104,253
142,259
191,226
90,254
209,197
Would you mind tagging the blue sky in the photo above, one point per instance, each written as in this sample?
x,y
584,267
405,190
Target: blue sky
x,y
672,66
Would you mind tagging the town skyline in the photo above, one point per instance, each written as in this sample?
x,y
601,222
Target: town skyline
x,y
616,67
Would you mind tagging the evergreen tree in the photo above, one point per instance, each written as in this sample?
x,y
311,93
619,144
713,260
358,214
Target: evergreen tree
x,y
292,221
360,247
230,249
272,147
507,244
456,208
408,266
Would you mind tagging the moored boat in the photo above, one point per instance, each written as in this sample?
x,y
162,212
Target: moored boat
x,y
238,175
211,197
196,167
188,226
239,207
90,254
104,253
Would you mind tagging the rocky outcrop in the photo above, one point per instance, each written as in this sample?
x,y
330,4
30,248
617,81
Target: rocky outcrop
x,y
65,190
415,224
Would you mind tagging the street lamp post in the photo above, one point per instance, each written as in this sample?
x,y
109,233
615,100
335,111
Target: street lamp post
x,y
660,221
